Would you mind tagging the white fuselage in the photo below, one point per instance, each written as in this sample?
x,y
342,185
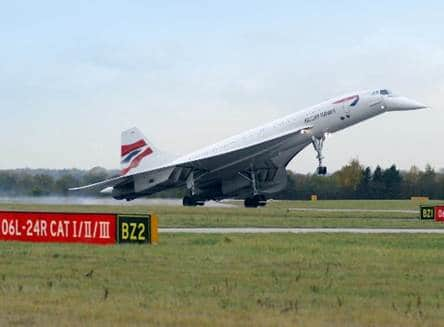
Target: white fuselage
x,y
327,117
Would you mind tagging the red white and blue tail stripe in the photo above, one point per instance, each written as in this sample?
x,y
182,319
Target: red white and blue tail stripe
x,y
134,149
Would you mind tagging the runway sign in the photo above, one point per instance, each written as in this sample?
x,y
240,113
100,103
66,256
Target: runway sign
x,y
427,212
137,229
90,228
439,213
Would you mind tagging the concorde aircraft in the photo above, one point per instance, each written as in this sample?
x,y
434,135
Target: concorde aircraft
x,y
250,165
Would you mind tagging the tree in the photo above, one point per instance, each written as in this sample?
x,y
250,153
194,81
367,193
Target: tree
x,y
377,184
8,183
428,183
62,185
43,185
364,190
440,191
290,190
326,187
95,175
392,182
349,177
411,185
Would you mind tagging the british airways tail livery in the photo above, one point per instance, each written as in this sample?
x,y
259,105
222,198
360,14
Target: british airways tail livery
x,y
136,148
250,165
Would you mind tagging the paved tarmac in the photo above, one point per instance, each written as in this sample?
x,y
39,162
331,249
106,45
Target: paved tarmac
x,y
258,230
353,210
77,200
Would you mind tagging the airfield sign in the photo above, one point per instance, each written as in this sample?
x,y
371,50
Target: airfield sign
x,y
439,213
91,228
432,212
427,212
134,229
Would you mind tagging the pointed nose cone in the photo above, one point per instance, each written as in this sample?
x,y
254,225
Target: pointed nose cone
x,y
402,103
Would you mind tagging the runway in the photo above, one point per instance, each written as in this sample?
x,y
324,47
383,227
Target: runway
x,y
78,200
259,230
353,210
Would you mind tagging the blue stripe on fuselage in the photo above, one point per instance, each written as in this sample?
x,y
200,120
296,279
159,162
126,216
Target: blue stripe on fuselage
x,y
355,101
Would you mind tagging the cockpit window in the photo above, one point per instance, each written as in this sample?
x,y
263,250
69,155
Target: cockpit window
x,y
385,92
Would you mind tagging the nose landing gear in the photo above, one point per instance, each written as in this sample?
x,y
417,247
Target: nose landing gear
x,y
318,143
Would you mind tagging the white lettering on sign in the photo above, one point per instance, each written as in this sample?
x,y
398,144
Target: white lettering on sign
x,y
59,228
37,228
74,227
65,228
10,227
104,229
87,225
54,227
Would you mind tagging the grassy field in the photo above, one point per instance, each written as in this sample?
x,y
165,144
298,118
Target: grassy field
x,y
276,214
225,280
217,280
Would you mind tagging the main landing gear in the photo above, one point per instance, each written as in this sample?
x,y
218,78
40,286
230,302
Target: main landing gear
x,y
192,201
318,143
257,200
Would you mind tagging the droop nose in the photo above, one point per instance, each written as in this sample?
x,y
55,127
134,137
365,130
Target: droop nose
x,y
402,103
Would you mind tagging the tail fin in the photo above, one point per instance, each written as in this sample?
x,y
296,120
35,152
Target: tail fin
x,y
136,151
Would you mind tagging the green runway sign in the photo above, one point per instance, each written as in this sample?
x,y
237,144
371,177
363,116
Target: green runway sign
x,y
136,229
427,213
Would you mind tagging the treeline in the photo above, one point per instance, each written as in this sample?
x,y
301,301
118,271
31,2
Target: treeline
x,y
353,181
44,182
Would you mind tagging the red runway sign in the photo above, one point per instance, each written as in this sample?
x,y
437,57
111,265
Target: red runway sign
x,y
58,227
439,213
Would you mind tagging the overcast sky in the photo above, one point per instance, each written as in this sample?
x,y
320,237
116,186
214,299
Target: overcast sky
x,y
190,73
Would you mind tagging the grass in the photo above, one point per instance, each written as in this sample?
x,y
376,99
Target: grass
x,y
354,204
225,280
276,214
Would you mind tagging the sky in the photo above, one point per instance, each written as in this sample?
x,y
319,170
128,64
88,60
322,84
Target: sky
x,y
74,74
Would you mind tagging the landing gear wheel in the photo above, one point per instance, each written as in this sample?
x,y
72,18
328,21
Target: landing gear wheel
x,y
190,201
261,200
258,200
250,203
322,170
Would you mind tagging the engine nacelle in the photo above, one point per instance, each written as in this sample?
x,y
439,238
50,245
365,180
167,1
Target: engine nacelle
x,y
268,181
123,191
